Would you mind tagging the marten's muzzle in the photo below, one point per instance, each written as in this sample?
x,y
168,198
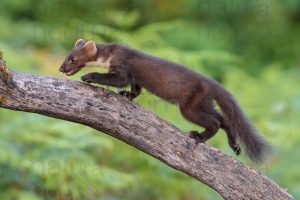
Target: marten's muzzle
x,y
69,70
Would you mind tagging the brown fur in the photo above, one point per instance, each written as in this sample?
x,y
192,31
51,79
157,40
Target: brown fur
x,y
174,83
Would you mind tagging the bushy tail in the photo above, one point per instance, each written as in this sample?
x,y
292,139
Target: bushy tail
x,y
240,127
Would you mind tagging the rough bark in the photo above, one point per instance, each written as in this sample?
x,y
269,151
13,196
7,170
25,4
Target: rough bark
x,y
125,120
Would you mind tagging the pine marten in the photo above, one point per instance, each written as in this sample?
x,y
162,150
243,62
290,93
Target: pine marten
x,y
194,93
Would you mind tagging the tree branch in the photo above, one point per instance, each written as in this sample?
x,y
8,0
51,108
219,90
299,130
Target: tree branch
x,y
114,115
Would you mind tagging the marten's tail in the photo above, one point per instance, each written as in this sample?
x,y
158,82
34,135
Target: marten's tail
x,y
240,127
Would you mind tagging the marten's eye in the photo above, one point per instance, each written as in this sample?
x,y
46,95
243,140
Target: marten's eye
x,y
72,59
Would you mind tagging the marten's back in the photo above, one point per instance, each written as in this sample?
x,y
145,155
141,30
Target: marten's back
x,y
165,79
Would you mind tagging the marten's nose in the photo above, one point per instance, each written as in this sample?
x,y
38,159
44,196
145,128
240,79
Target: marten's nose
x,y
61,69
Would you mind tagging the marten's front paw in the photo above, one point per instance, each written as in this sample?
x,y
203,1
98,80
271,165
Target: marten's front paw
x,y
126,94
87,78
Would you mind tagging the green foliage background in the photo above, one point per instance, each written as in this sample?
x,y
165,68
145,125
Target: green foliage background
x,y
251,47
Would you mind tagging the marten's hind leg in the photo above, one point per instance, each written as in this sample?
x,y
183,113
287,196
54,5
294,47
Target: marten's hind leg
x,y
231,139
199,113
211,126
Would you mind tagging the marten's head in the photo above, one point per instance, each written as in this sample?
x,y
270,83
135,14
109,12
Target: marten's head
x,y
83,53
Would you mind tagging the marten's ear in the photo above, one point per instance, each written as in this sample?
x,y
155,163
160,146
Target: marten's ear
x,y
80,43
90,48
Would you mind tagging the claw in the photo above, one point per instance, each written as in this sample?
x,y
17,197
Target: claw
x,y
237,149
197,136
126,94
84,79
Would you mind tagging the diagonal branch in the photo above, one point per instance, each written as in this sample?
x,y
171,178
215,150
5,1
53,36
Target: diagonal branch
x,y
125,120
